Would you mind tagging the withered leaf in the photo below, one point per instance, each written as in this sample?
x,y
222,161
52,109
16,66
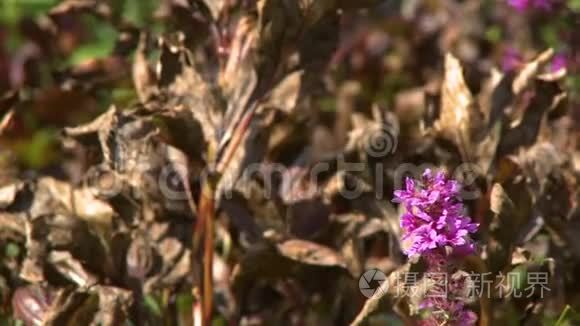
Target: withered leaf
x,y
313,10
8,193
520,256
179,270
526,76
310,253
180,80
140,258
215,7
143,77
31,303
72,6
7,111
251,109
459,119
487,148
376,138
7,101
525,131
510,213
170,250
496,96
71,268
12,226
540,161
72,308
114,305
500,203
273,24
80,202
6,120
285,95
237,78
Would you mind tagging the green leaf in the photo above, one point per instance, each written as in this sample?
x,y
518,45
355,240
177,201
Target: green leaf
x,y
493,34
123,96
12,11
153,306
550,36
562,319
39,151
12,250
568,317
574,5
517,278
385,319
138,12
100,45
219,321
184,302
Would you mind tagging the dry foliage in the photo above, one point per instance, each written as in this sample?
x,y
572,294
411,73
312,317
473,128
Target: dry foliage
x,y
211,170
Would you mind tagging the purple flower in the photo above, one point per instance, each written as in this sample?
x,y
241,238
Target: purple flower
x,y
543,4
434,215
523,5
560,61
511,60
520,5
433,223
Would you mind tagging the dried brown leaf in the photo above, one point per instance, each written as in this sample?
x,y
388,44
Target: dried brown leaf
x,y
114,305
314,10
285,95
236,78
72,308
459,119
80,202
143,77
71,6
186,88
31,303
524,132
12,226
140,258
527,75
71,268
180,270
8,193
6,120
310,253
511,208
215,7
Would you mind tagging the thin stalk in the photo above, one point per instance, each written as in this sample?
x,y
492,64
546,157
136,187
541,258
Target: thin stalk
x,y
205,228
209,211
206,215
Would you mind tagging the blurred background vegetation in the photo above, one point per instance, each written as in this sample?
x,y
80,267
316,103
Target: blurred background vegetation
x,y
31,63
70,77
86,45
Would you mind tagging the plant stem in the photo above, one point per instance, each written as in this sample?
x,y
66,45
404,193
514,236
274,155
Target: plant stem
x,y
205,228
